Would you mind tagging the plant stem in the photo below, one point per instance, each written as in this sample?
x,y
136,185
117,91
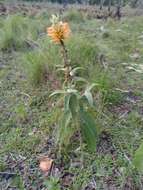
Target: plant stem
x,y
80,141
66,62
81,148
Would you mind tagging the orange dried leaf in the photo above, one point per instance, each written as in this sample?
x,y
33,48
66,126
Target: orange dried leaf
x,y
45,164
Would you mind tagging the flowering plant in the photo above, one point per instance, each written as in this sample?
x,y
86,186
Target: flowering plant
x,y
77,116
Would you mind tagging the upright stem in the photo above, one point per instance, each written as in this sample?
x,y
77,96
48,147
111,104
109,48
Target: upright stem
x,y
66,62
118,9
81,147
101,4
109,7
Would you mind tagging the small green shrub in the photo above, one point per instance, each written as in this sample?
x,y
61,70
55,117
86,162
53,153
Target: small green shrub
x,y
37,61
74,16
36,66
41,62
83,51
52,183
18,142
15,31
12,35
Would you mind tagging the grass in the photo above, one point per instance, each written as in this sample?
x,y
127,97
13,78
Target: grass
x,y
28,75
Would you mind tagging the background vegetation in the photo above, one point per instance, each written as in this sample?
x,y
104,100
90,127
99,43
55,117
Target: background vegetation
x,y
110,51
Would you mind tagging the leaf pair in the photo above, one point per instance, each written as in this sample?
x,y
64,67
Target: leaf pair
x,y
76,116
64,131
88,129
88,95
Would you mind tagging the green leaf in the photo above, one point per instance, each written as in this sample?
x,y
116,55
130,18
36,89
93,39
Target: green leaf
x,y
89,97
64,131
73,105
66,102
88,93
70,100
138,158
88,129
80,79
61,69
57,92
73,71
90,87
71,90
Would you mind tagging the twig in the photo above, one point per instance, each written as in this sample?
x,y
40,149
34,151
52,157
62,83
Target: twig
x,y
66,62
7,173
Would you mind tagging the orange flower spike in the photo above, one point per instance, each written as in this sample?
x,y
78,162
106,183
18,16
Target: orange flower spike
x,y
59,31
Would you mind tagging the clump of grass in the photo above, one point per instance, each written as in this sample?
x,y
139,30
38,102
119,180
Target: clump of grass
x,y
17,141
12,35
41,62
38,62
74,16
83,51
107,82
36,66
15,31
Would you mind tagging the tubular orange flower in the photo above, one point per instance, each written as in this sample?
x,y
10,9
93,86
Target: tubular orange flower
x,y
59,32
